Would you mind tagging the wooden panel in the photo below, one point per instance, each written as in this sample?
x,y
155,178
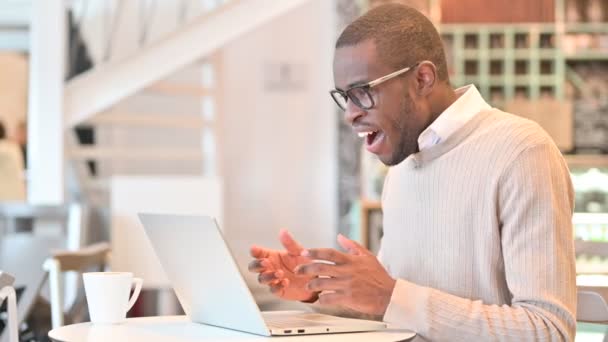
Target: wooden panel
x,y
83,259
498,11
421,5
553,115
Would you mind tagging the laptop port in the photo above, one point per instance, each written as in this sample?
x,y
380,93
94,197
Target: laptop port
x,y
300,331
287,331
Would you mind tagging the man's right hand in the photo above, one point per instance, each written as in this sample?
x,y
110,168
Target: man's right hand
x,y
276,269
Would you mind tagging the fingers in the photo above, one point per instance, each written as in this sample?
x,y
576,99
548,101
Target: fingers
x,y
318,269
328,254
259,252
351,246
290,244
332,298
326,284
260,265
270,278
256,266
279,288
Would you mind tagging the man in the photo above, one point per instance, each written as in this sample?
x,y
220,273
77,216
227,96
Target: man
x,y
477,205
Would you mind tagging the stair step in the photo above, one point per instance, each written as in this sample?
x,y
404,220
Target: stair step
x,y
177,89
190,121
139,154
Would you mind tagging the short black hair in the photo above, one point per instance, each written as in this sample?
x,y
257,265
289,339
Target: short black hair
x,y
2,131
403,37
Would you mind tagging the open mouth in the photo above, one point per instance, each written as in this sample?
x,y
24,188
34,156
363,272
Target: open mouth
x,y
372,140
369,136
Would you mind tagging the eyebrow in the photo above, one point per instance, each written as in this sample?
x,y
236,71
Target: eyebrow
x,y
353,84
358,83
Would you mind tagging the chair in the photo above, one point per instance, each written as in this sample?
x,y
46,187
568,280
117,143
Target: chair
x,y
8,292
591,298
591,308
22,255
93,257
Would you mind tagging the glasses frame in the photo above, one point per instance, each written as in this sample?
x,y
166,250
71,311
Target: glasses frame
x,y
345,94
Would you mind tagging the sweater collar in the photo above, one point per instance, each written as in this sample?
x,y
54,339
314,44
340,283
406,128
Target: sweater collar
x,y
417,160
469,103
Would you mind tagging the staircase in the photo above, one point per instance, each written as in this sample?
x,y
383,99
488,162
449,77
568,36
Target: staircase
x,y
150,98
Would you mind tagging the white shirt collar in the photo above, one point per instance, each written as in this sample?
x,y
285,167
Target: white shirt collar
x,y
469,103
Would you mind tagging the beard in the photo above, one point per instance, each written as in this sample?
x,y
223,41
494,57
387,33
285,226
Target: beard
x,y
406,134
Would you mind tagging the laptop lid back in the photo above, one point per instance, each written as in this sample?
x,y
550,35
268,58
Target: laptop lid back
x,y
206,279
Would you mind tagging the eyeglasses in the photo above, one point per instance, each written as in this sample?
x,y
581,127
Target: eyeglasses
x,y
360,94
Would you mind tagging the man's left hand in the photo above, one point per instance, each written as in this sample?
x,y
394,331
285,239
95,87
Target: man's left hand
x,y
356,280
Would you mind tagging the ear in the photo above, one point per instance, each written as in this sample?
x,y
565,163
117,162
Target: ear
x,y
426,76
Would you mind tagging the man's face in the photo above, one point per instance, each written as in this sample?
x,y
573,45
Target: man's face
x,y
393,119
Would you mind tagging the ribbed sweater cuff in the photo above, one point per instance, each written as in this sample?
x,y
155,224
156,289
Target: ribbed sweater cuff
x,y
407,308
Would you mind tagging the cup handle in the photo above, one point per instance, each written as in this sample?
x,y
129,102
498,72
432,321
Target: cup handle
x,y
138,282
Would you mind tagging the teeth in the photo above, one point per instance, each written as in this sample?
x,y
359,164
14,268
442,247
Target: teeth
x,y
364,134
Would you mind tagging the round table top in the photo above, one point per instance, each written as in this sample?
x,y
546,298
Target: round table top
x,y
181,329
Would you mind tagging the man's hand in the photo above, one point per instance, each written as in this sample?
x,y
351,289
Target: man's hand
x,y
356,281
276,269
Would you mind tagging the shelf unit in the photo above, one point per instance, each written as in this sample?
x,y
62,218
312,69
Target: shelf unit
x,y
519,59
505,61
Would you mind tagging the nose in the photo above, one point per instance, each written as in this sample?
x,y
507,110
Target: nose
x,y
353,112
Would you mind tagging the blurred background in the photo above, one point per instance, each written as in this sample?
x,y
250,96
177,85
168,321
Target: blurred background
x,y
221,107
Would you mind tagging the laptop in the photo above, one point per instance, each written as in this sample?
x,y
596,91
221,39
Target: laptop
x,y
211,289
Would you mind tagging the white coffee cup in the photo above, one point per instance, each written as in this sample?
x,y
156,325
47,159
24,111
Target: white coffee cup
x,y
108,295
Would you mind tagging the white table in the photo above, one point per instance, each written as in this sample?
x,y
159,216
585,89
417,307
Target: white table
x,y
180,329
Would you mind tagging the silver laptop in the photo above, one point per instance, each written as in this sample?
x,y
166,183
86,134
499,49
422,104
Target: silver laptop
x,y
211,289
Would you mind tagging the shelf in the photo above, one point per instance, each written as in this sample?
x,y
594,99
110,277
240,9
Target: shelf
x,y
496,80
587,56
471,79
521,53
587,28
586,160
497,28
471,53
589,218
497,54
547,53
522,80
546,80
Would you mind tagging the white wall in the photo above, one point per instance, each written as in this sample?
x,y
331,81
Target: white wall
x,y
279,145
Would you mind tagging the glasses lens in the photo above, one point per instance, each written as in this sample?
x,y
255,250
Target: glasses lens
x,y
361,97
340,99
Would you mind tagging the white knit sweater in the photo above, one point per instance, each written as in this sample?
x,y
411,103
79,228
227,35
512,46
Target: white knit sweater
x,y
478,232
